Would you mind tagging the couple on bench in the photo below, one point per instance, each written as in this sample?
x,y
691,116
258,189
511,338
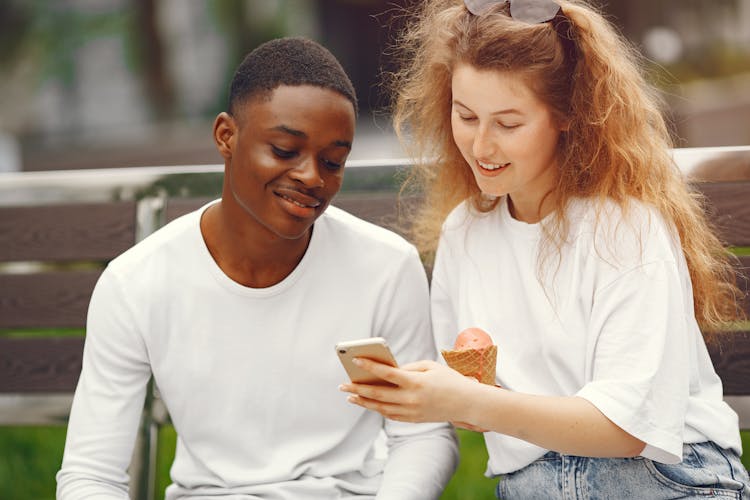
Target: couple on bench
x,y
561,227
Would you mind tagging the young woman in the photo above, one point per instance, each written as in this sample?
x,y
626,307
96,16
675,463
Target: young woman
x,y
571,237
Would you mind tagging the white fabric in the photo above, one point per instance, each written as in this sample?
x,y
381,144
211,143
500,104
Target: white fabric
x,y
250,376
613,323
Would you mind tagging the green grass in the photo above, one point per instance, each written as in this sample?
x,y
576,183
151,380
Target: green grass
x,y
29,460
164,457
41,332
30,457
469,482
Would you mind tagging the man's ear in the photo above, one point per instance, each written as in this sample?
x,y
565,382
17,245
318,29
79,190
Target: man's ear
x,y
225,129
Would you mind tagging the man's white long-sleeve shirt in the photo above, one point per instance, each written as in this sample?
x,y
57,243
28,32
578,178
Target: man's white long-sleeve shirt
x,y
250,376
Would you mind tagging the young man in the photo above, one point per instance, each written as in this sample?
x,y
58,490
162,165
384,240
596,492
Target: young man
x,y
236,308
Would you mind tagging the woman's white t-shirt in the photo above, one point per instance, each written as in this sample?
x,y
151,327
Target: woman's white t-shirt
x,y
609,319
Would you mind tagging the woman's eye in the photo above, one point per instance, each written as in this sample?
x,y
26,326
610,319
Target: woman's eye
x,y
509,125
467,118
283,153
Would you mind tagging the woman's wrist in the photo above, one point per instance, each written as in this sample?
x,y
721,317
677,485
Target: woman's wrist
x,y
474,407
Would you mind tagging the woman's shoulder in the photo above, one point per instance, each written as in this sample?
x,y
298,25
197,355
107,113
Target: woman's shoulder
x,y
466,213
627,227
590,213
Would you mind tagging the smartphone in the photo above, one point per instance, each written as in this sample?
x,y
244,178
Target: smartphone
x,y
374,348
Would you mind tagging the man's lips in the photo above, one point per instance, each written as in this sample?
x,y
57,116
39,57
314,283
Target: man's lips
x,y
298,198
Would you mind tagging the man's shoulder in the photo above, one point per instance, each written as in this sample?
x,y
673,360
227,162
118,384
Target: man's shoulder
x,y
158,245
358,232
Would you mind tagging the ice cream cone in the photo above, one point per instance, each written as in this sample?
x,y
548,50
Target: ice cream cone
x,y
478,363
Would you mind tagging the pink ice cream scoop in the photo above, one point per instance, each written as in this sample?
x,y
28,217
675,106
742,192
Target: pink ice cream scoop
x,y
472,338
473,355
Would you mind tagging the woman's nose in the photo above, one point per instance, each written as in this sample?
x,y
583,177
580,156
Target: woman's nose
x,y
484,146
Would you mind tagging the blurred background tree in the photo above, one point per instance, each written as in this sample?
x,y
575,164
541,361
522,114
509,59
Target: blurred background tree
x,y
100,83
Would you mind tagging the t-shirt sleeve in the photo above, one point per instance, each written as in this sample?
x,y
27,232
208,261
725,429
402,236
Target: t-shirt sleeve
x,y
422,457
638,358
108,400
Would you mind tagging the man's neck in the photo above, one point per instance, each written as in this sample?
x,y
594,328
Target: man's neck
x,y
249,256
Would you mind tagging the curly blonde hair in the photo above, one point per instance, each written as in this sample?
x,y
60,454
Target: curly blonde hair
x,y
617,145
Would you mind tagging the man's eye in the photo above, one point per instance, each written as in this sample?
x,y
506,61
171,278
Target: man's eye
x,y
283,153
332,165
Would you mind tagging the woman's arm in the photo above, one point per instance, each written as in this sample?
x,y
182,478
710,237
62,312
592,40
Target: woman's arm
x,y
428,391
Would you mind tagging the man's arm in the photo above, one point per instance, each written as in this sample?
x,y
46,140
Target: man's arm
x,y
421,464
421,457
108,401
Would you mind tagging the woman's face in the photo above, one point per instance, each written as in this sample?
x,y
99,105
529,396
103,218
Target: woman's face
x,y
507,136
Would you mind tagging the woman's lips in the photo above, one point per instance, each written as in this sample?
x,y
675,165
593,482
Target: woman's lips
x,y
491,169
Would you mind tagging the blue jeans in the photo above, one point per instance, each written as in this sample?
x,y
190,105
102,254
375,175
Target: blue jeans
x,y
706,471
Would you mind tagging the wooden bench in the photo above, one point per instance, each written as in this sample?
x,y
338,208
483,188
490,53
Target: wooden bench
x,y
59,229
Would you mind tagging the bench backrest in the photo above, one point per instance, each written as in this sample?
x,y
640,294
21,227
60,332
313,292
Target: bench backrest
x,y
59,229
79,238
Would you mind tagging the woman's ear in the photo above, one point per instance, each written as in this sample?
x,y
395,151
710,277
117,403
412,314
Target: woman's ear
x,y
225,129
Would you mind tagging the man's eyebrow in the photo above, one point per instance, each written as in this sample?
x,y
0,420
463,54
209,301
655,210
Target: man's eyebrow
x,y
299,133
290,131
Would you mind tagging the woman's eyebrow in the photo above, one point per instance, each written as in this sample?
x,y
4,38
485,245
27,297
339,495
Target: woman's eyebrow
x,y
498,112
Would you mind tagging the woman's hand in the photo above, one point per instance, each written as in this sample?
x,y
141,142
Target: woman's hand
x,y
424,391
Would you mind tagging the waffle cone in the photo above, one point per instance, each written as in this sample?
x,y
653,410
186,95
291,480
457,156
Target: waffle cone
x,y
477,363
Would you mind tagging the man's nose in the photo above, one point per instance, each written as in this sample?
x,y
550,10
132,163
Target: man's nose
x,y
308,173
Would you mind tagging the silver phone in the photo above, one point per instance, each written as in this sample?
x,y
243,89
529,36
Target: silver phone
x,y
375,348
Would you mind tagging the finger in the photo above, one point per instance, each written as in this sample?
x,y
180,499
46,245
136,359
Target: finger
x,y
380,370
381,393
392,412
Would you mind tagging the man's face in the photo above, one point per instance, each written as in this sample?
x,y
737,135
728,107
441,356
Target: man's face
x,y
285,155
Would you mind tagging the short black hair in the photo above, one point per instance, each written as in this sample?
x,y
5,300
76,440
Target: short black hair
x,y
288,61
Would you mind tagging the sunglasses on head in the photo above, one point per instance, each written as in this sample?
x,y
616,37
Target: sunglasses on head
x,y
527,11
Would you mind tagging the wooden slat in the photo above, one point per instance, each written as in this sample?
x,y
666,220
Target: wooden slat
x,y
80,231
46,300
730,209
177,207
730,353
35,408
740,404
386,209
743,282
50,364
378,208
